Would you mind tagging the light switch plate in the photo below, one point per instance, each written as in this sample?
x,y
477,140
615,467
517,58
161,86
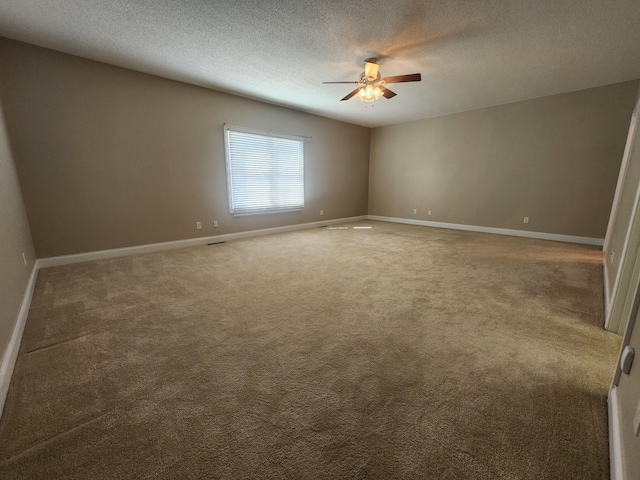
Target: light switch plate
x,y
636,420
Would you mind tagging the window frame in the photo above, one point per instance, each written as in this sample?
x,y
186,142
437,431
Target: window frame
x,y
227,153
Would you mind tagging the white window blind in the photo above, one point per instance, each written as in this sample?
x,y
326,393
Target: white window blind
x,y
265,171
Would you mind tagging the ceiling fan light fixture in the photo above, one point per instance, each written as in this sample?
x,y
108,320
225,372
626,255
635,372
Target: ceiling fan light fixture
x,y
369,93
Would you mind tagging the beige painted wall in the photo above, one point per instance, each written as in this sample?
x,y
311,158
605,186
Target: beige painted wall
x,y
15,239
554,159
109,158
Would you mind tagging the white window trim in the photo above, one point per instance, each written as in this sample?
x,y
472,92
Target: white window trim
x,y
266,133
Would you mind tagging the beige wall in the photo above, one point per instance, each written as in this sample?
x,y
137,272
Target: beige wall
x,y
15,239
554,159
109,158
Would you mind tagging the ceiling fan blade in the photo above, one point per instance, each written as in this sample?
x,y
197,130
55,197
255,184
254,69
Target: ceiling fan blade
x,y
412,77
386,92
371,69
341,82
350,95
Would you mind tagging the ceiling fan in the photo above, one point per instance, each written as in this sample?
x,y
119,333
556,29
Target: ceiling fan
x,y
371,85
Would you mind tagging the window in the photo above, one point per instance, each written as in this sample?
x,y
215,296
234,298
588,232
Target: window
x,y
265,171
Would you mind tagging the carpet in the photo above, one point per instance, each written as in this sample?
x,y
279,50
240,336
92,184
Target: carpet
x,y
393,351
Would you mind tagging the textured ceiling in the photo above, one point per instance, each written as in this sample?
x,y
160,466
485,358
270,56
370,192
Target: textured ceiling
x,y
471,54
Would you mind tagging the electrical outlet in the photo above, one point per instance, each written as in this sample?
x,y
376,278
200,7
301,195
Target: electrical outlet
x,y
526,219
24,258
198,225
415,211
321,212
429,213
215,224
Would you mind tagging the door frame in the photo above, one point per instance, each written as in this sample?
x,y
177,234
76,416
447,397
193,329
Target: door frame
x,y
616,299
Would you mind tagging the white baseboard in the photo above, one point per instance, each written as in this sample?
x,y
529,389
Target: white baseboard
x,y
615,446
189,242
156,247
499,231
11,353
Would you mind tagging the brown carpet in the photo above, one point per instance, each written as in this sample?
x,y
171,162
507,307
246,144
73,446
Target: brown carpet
x,y
392,352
